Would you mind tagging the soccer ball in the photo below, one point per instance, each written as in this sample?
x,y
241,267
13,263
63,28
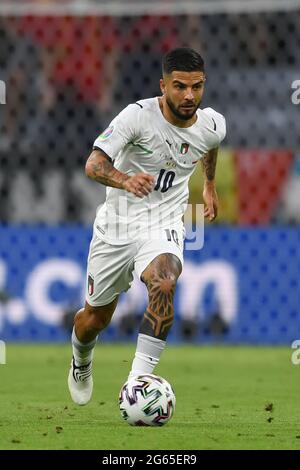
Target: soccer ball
x,y
147,400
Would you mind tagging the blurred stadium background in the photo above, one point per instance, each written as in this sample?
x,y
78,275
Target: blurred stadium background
x,y
69,67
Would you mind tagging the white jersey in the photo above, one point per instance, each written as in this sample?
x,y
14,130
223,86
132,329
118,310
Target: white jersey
x,y
140,139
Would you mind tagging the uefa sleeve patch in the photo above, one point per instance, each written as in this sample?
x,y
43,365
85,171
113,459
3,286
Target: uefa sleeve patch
x,y
107,133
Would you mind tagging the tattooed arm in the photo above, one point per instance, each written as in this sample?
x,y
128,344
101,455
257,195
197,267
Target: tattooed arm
x,y
99,168
209,162
210,197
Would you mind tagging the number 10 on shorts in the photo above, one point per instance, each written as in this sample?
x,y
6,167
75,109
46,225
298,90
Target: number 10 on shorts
x,y
172,236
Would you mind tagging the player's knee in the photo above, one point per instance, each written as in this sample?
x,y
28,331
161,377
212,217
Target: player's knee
x,y
96,320
162,285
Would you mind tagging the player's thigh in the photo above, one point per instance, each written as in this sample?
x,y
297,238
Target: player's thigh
x,y
159,257
163,266
109,272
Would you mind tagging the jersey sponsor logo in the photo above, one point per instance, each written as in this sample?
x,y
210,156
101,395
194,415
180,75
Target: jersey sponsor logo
x,y
107,133
184,148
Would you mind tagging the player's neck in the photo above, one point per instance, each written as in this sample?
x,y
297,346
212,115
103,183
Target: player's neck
x,y
171,118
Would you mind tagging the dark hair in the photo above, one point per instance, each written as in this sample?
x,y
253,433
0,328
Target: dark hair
x,y
183,59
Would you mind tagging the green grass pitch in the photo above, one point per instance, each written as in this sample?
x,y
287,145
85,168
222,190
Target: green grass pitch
x,y
227,398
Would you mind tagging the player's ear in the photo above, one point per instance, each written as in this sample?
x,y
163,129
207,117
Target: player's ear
x,y
162,85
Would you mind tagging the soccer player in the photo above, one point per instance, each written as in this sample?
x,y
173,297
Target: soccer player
x,y
145,157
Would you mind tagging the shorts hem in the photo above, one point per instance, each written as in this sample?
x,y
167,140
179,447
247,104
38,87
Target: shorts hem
x,y
101,304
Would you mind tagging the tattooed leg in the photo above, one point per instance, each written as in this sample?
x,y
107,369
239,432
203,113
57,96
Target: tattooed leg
x,y
160,278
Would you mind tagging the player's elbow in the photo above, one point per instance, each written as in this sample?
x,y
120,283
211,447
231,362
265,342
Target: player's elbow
x,y
88,169
92,165
97,164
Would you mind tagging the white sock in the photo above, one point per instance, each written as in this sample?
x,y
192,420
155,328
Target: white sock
x,y
148,352
83,353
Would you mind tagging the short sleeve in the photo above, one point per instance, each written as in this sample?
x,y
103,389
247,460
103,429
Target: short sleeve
x,y
122,130
219,124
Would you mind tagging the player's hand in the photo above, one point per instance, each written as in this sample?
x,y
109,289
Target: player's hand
x,y
140,184
210,199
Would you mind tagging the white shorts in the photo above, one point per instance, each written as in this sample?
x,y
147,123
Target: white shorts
x,y
110,267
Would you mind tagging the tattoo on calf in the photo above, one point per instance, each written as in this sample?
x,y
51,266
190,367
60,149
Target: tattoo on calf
x,y
158,317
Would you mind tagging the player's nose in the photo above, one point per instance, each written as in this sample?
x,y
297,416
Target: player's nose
x,y
189,96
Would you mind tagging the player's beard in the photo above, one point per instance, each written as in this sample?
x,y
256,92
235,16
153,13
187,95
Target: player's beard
x,y
178,114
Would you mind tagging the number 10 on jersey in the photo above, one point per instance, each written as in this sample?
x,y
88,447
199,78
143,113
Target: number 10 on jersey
x,y
164,181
